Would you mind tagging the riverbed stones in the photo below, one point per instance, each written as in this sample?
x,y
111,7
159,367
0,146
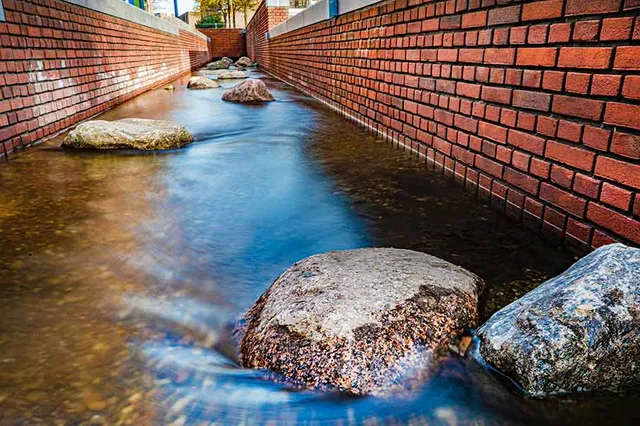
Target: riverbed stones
x,y
249,91
366,321
223,63
245,62
579,331
235,74
200,83
130,133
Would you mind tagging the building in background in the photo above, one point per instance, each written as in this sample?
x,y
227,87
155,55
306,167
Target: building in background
x,y
137,3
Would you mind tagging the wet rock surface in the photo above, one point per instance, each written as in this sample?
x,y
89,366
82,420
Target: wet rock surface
x,y
248,91
129,133
245,62
233,74
220,64
576,332
366,321
199,83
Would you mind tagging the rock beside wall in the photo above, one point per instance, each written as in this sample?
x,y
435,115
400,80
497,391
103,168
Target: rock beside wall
x,y
579,331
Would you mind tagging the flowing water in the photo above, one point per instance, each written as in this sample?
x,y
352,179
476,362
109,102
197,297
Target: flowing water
x,y
121,272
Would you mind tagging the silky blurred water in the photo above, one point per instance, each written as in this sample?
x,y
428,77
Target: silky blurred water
x,y
123,273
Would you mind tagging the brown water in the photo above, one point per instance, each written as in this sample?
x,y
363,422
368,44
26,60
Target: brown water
x,y
121,272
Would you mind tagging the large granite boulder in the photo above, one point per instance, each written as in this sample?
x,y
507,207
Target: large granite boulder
x,y
248,91
230,75
367,321
220,64
245,62
130,133
579,331
199,83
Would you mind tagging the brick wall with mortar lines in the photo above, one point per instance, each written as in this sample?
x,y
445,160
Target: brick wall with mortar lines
x,y
263,19
61,64
533,105
225,42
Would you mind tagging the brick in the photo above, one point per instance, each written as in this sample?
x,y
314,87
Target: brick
x,y
562,176
627,58
569,131
601,239
499,56
538,34
489,166
577,83
526,141
471,55
615,29
496,94
618,223
492,131
526,121
586,30
549,9
520,160
531,100
504,15
636,205
518,35
631,88
563,199
553,80
577,107
605,85
536,56
626,115
474,19
468,90
559,33
586,185
578,231
615,196
626,145
532,78
547,126
521,180
570,155
591,7
585,57
596,137
618,171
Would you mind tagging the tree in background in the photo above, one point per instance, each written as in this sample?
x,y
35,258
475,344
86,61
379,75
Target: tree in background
x,y
224,8
245,6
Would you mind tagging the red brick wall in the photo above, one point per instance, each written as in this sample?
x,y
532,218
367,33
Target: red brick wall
x,y
226,42
264,19
61,64
533,105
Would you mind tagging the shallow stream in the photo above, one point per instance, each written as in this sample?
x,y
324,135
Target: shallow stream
x,y
120,272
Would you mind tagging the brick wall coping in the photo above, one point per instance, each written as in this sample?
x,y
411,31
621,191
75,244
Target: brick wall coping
x,y
123,10
314,14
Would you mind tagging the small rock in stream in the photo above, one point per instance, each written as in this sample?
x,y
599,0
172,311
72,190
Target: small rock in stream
x,y
248,91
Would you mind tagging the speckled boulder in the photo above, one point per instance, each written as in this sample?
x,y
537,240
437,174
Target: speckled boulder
x,y
130,133
245,62
248,91
367,321
220,64
579,331
199,83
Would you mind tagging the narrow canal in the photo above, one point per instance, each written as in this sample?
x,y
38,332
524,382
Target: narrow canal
x,y
121,272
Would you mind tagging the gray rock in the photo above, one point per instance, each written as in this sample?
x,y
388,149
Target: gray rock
x,y
200,82
367,321
248,91
245,62
219,64
130,133
230,75
579,331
